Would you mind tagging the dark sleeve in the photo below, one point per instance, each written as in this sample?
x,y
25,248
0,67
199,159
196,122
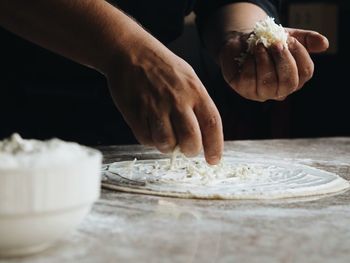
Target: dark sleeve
x,y
204,8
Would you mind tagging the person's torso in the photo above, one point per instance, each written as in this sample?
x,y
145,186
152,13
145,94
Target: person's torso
x,y
163,19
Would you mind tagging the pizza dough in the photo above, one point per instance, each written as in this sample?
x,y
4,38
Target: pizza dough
x,y
234,178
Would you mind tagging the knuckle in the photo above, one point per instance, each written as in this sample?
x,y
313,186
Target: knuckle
x,y
307,72
198,90
212,122
268,79
292,44
162,135
177,102
190,133
158,125
289,83
192,79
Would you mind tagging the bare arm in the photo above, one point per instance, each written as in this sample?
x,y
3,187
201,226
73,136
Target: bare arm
x,y
89,32
159,95
239,17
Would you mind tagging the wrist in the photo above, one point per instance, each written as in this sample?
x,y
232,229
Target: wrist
x,y
138,49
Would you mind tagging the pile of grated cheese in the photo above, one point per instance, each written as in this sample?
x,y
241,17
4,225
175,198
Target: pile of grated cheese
x,y
267,32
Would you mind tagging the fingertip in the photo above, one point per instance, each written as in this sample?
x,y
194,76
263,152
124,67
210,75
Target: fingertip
x,y
191,146
277,47
281,98
317,42
213,151
291,41
325,43
165,148
213,159
259,49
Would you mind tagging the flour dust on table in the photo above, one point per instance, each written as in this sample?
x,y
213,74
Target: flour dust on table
x,y
233,178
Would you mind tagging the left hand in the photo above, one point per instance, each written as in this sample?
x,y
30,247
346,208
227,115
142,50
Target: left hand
x,y
271,73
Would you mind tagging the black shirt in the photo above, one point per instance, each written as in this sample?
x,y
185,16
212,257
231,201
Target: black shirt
x,y
165,18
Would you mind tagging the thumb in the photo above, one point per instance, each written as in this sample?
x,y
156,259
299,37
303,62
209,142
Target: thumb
x,y
230,59
313,41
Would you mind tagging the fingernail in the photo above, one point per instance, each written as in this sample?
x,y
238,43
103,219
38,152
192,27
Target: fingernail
x,y
164,147
212,160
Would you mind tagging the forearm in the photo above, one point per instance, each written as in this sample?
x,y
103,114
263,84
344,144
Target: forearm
x,y
239,17
90,32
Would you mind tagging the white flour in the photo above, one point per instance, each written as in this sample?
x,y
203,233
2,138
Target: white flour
x,y
16,152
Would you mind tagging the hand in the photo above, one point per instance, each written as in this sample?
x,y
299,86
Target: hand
x,y
165,103
271,73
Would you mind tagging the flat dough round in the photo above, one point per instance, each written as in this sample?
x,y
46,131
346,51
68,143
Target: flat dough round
x,y
238,179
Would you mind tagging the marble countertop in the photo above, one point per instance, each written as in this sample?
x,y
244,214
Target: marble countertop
x,y
138,228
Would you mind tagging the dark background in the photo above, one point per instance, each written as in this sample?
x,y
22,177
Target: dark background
x,y
44,95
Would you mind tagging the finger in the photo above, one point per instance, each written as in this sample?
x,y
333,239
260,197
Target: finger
x,y
247,80
211,128
313,41
303,60
162,133
281,98
265,74
137,118
187,131
140,130
286,68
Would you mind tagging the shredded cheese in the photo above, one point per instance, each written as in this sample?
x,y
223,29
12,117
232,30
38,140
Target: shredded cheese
x,y
179,168
176,152
267,32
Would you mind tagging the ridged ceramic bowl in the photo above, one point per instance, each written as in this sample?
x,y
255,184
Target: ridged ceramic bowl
x,y
45,194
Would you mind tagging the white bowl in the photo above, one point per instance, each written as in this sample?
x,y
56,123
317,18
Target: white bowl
x,y
45,195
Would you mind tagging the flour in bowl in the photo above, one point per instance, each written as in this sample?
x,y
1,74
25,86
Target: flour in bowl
x,y
16,152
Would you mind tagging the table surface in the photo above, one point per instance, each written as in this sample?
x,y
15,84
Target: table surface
x,y
138,228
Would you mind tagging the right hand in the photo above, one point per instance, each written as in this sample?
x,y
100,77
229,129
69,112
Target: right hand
x,y
164,102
